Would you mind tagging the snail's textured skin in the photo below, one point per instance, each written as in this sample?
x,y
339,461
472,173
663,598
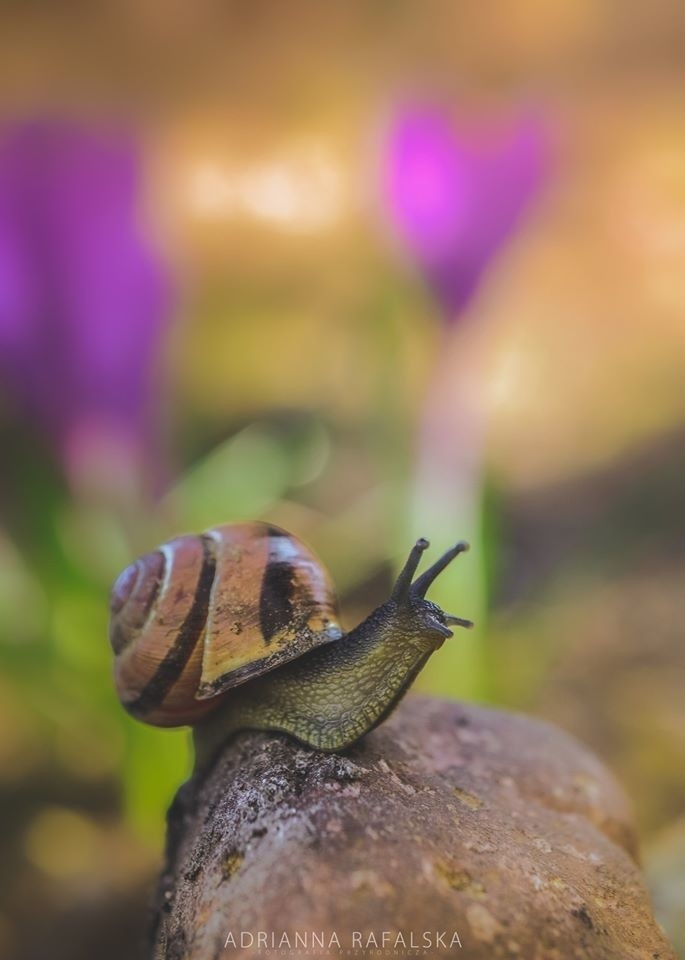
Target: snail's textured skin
x,y
335,694
238,629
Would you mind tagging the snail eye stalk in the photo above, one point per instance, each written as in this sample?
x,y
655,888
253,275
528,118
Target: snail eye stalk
x,y
403,583
404,588
420,586
453,621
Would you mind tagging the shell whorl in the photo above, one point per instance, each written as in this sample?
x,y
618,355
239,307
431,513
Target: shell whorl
x,y
204,613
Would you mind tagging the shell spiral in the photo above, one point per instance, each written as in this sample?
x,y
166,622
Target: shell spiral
x,y
202,614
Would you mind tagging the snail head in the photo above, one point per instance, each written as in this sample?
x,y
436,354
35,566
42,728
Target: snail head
x,y
409,595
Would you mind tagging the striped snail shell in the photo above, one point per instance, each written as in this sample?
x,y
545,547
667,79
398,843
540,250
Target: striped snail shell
x,y
201,614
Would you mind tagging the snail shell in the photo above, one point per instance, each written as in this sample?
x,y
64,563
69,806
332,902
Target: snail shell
x,y
201,614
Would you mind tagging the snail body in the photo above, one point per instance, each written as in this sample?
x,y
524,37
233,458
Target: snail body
x,y
238,628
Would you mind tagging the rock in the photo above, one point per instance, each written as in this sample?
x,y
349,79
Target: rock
x,y
448,821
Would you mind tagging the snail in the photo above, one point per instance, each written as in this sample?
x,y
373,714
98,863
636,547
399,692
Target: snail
x,y
238,628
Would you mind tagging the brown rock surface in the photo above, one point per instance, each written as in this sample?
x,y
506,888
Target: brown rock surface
x,y
447,818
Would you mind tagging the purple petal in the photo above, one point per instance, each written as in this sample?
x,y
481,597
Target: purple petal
x,y
456,194
83,299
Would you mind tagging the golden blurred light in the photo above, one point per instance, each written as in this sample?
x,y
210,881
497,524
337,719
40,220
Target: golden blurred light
x,y
300,190
211,191
509,377
62,843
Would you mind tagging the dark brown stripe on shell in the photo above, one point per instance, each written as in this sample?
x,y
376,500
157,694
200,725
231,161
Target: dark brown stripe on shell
x,y
277,532
276,598
190,633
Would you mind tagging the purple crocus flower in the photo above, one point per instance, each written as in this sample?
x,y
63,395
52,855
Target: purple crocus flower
x,y
456,193
82,296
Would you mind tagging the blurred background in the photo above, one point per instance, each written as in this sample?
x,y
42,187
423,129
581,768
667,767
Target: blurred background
x,y
367,271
